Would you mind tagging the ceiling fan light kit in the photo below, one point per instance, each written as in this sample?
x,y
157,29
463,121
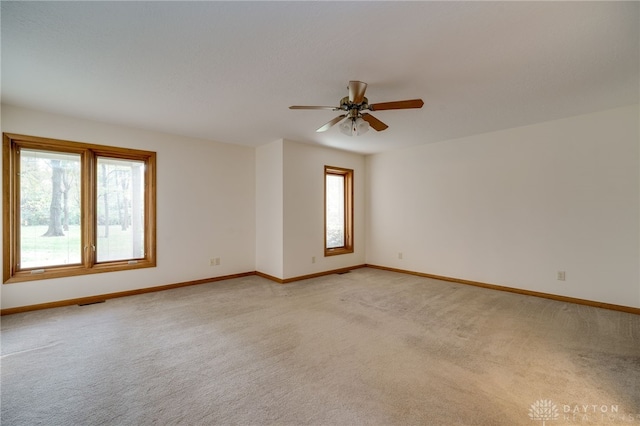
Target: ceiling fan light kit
x,y
354,126
356,122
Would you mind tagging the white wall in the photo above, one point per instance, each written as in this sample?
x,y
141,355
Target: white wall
x,y
510,208
269,209
205,208
513,207
304,208
290,209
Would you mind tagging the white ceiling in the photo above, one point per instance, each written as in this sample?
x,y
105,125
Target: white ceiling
x,y
228,71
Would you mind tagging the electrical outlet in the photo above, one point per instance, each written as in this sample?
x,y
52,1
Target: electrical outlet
x,y
400,255
313,259
562,276
212,261
217,261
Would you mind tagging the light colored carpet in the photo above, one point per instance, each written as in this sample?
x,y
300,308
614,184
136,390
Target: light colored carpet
x,y
368,347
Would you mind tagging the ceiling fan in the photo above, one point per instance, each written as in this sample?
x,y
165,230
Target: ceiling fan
x,y
357,122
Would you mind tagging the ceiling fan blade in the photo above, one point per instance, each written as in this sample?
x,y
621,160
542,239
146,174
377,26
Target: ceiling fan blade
x,y
374,122
356,91
331,123
412,103
313,107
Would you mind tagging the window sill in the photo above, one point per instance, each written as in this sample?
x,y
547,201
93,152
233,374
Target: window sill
x,y
337,251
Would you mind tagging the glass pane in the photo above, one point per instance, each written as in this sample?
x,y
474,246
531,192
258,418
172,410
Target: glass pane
x,y
335,211
120,210
49,209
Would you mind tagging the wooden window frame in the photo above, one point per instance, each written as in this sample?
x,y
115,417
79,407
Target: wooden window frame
x,y
11,145
348,210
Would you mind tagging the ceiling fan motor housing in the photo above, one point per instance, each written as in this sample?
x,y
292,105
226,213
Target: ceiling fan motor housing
x,y
353,109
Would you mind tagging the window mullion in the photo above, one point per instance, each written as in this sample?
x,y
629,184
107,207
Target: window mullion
x,y
88,209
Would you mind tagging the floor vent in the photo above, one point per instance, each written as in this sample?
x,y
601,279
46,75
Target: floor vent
x,y
91,303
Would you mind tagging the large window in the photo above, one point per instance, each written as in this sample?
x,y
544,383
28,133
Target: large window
x,y
338,206
74,208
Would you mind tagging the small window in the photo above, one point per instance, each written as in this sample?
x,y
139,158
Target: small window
x,y
74,208
338,219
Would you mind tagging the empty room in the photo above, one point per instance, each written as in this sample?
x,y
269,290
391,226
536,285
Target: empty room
x,y
320,213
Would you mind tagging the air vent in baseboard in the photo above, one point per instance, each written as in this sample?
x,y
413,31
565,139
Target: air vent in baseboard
x,y
91,303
